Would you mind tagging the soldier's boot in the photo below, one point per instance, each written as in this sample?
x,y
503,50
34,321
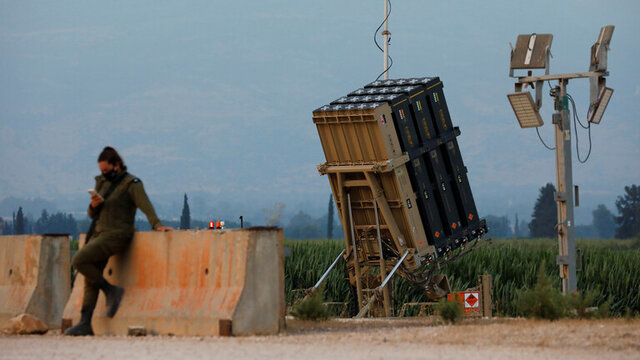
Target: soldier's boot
x,y
83,328
114,296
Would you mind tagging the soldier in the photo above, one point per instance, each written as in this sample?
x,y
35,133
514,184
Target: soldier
x,y
117,196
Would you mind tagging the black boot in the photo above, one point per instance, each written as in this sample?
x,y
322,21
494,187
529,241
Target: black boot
x,y
83,328
114,296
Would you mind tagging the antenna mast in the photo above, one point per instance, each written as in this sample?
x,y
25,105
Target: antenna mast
x,y
385,35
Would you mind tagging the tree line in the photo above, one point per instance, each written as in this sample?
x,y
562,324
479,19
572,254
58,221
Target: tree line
x,y
544,218
303,226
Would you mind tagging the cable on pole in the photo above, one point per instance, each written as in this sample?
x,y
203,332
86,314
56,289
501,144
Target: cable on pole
x,y
542,141
375,40
576,121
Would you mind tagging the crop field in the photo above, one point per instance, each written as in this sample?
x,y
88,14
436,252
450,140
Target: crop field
x,y
610,268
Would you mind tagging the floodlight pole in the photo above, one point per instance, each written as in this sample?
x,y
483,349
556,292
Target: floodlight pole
x,y
528,55
564,195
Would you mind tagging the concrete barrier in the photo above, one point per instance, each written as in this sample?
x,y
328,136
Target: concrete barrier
x,y
195,283
34,277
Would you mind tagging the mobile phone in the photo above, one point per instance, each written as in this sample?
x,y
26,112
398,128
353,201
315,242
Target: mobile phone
x,y
92,192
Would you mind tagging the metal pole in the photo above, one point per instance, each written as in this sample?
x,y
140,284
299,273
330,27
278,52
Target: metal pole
x,y
356,262
564,196
383,271
393,271
328,270
385,34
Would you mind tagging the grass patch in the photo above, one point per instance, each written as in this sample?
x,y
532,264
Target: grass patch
x,y
610,270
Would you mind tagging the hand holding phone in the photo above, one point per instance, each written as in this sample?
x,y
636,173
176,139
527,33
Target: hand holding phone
x,y
96,199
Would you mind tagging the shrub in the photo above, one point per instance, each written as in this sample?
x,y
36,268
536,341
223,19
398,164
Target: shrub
x,y
311,307
580,303
450,311
542,301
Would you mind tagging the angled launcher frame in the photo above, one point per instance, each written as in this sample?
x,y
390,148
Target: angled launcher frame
x,y
372,170
391,146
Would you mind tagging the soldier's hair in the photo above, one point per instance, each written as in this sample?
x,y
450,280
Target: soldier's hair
x,y
111,156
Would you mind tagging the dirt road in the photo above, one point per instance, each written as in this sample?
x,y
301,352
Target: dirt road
x,y
361,339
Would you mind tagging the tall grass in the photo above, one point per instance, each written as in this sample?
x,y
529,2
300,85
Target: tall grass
x,y
611,268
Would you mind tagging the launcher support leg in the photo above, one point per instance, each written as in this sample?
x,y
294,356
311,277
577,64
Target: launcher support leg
x,y
379,289
356,261
383,271
381,200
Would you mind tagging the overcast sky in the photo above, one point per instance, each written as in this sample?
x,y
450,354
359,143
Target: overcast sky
x,y
215,98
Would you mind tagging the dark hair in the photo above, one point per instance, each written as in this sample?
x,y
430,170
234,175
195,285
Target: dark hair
x,y
111,156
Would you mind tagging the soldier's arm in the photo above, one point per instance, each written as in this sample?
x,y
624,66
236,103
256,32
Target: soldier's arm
x,y
142,202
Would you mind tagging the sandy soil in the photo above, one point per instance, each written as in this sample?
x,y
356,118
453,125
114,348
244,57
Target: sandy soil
x,y
361,339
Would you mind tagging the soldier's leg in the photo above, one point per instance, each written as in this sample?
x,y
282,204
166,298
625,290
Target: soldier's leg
x,y
91,290
89,300
91,261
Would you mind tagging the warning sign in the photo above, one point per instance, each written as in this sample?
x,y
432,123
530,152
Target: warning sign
x,y
471,299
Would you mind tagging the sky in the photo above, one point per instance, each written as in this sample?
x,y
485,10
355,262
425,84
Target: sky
x,y
214,99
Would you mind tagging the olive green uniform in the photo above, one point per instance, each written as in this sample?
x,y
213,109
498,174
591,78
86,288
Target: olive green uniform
x,y
114,229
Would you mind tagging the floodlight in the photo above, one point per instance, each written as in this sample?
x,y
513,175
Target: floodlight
x,y
525,109
531,52
600,48
596,114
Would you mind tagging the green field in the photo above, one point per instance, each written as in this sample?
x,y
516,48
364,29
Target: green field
x,y
611,268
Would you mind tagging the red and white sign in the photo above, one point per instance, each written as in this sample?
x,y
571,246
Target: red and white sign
x,y
471,299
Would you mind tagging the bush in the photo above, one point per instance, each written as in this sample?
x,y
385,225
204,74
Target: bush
x,y
543,301
450,311
311,307
580,303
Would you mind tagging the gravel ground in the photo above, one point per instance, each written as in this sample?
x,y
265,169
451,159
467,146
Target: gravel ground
x,y
360,339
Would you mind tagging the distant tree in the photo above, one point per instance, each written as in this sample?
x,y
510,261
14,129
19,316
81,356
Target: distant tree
x,y
499,226
58,223
516,227
629,213
185,219
42,223
330,218
18,223
2,225
603,221
302,226
544,217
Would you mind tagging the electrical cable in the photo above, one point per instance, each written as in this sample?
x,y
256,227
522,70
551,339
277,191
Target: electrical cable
x,y
575,113
542,141
576,121
375,40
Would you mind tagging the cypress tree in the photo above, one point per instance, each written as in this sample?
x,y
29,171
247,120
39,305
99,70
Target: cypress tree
x,y
330,218
19,222
185,219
